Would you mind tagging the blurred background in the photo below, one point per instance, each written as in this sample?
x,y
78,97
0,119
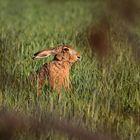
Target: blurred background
x,y
104,101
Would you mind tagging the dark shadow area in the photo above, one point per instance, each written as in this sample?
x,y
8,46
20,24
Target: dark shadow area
x,y
99,38
117,23
12,122
125,17
128,10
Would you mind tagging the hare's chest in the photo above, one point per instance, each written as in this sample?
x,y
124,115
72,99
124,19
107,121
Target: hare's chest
x,y
58,73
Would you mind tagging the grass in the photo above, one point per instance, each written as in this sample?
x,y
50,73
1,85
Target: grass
x,y
105,97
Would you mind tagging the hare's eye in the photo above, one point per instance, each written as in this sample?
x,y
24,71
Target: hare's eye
x,y
66,49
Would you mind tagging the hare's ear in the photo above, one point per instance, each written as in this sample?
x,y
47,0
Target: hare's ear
x,y
42,53
46,52
59,56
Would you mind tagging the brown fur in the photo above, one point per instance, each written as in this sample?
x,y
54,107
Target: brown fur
x,y
57,70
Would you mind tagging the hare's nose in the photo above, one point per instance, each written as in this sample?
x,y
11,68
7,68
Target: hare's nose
x,y
78,57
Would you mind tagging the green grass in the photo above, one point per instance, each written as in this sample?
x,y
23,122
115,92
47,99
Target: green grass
x,y
104,97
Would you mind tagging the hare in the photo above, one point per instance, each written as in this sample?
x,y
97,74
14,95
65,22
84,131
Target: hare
x,y
57,70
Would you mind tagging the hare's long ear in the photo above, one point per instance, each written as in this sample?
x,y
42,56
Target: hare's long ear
x,y
47,52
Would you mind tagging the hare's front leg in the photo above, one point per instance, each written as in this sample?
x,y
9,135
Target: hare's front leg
x,y
41,76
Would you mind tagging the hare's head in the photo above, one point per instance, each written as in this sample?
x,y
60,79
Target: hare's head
x,y
61,53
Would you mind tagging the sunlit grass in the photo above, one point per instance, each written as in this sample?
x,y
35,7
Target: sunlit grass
x,y
104,96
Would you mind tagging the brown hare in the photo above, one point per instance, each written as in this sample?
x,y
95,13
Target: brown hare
x,y
57,70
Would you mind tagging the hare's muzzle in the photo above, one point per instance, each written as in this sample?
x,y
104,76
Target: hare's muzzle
x,y
79,58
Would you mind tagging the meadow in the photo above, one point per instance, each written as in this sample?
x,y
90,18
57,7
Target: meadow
x,y
105,94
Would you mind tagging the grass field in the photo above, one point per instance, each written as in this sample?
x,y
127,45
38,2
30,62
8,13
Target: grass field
x,y
105,96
